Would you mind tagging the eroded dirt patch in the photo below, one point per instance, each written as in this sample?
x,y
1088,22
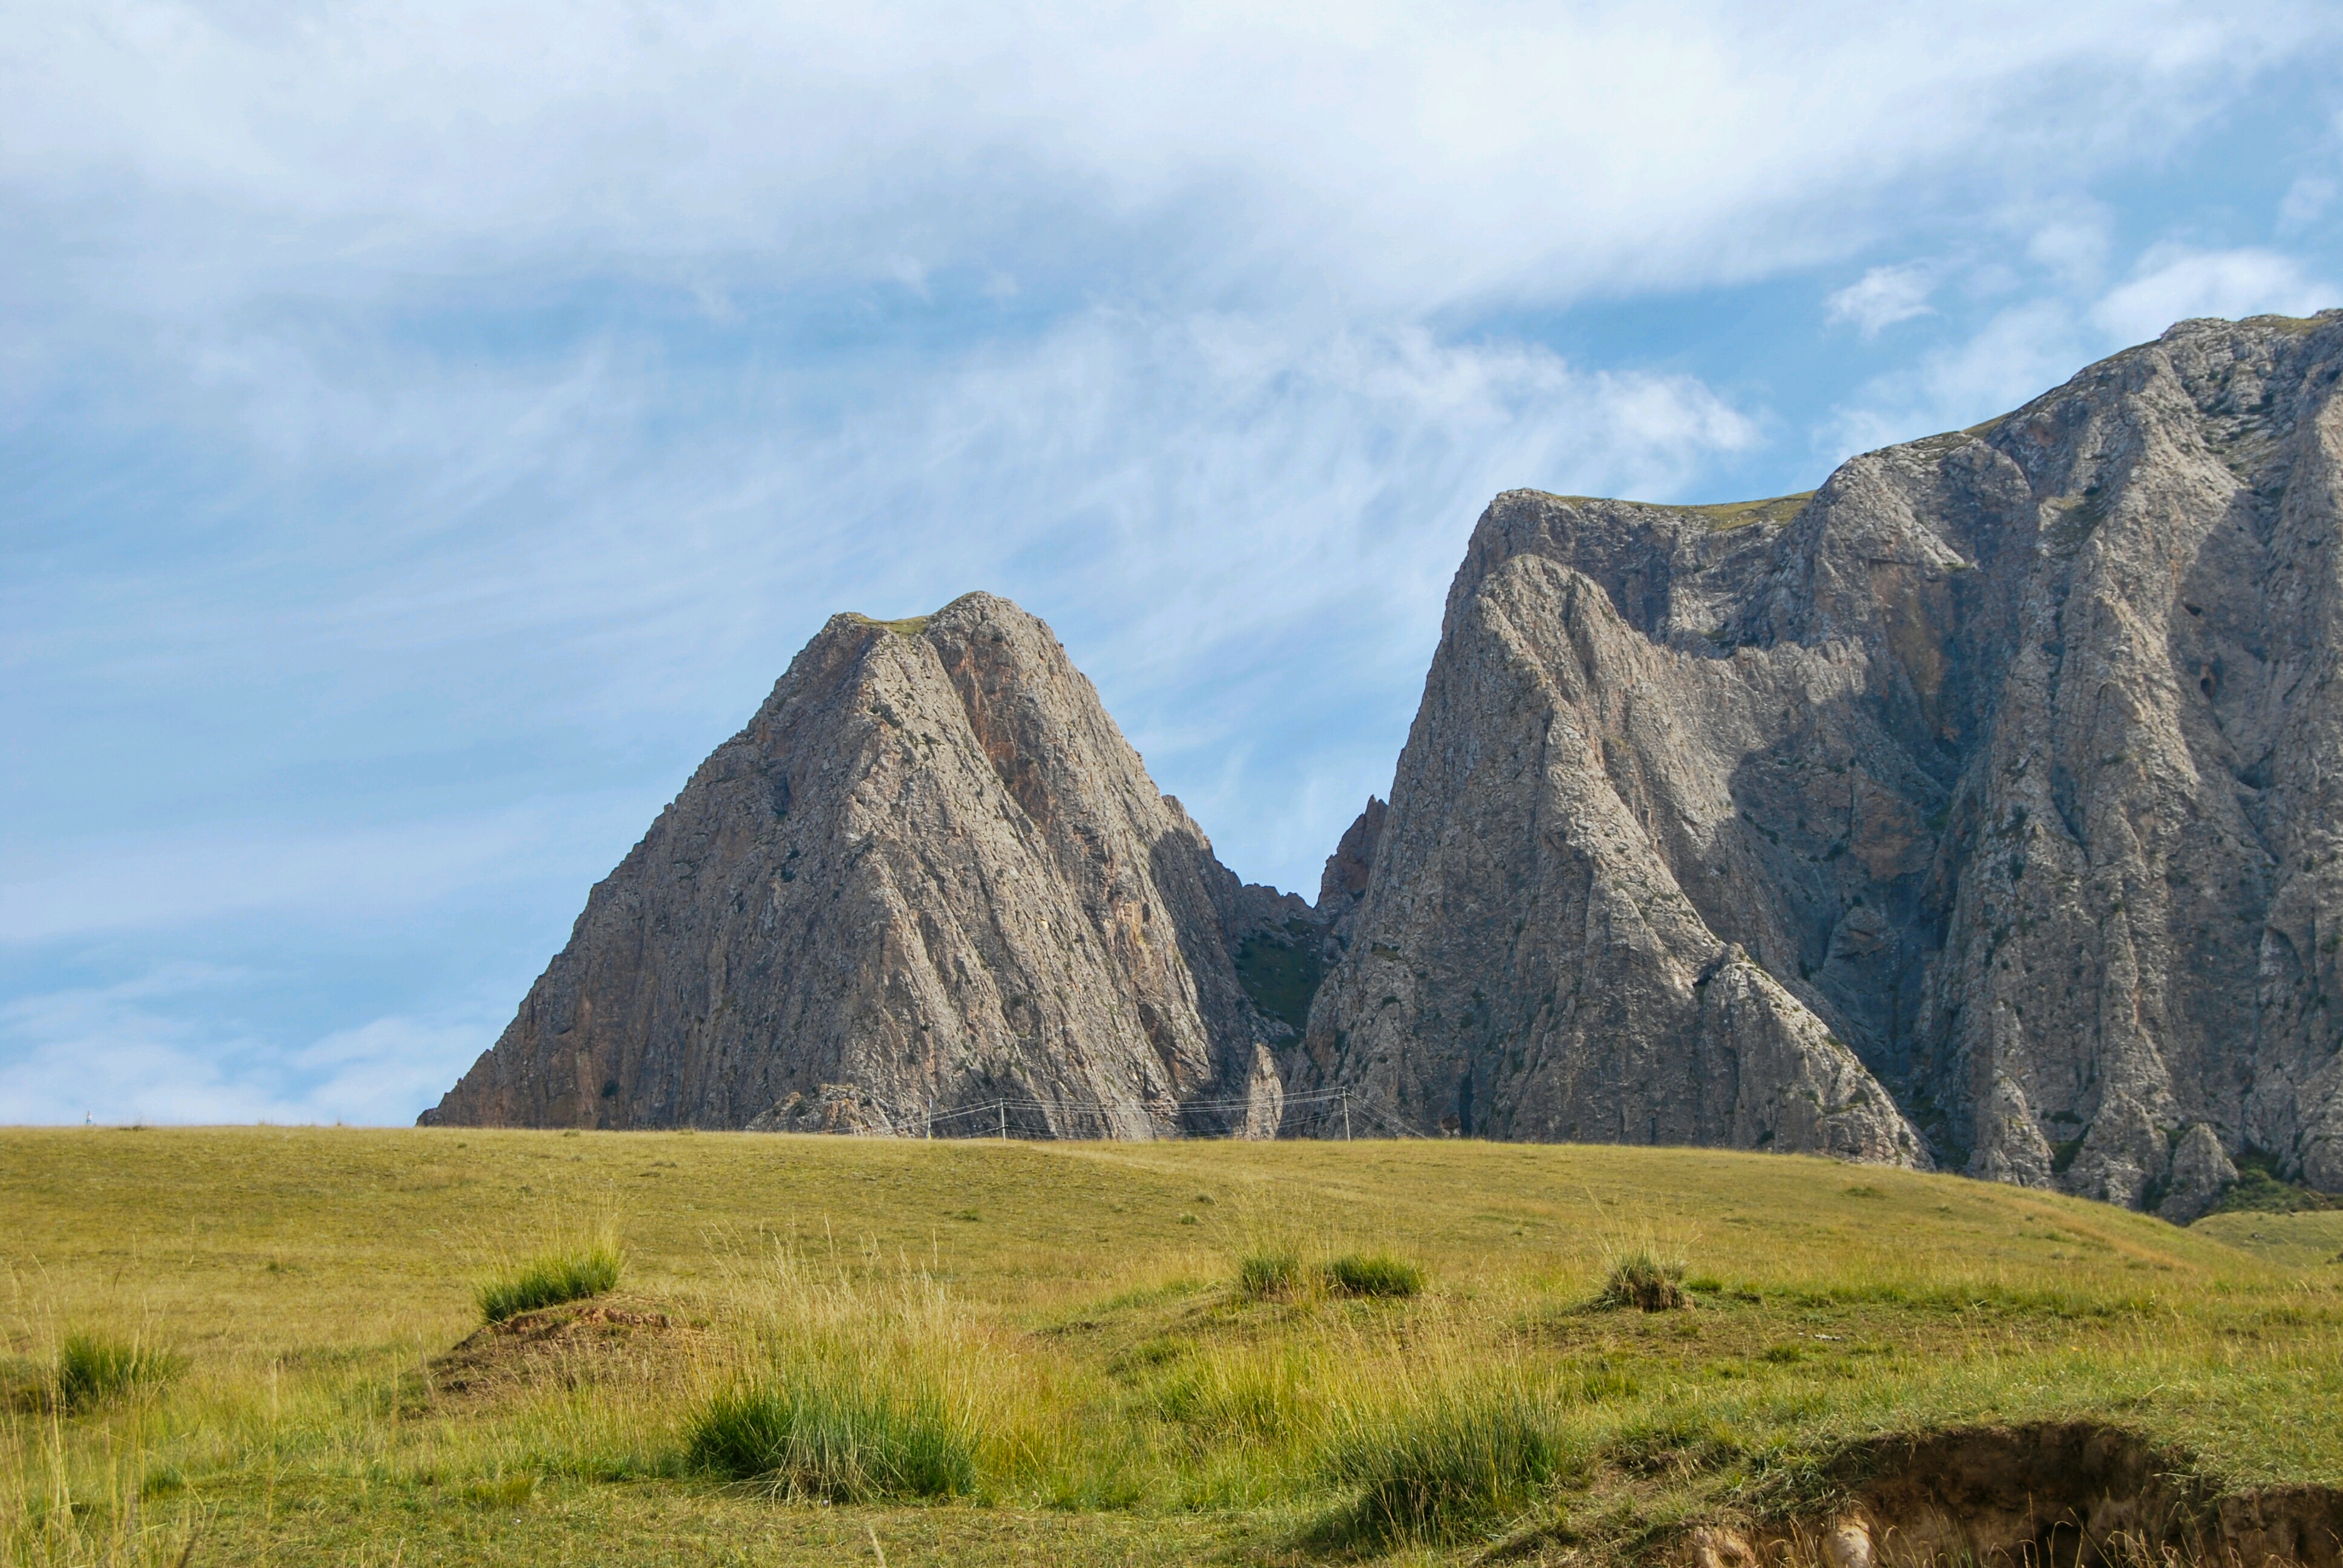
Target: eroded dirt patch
x,y
2051,1495
575,1343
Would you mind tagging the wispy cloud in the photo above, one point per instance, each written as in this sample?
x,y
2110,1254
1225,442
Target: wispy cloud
x,y
1882,297
1408,154
150,1049
424,432
104,885
2024,348
2173,283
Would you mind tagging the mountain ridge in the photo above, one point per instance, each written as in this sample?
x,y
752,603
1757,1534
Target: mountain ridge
x,y
1717,821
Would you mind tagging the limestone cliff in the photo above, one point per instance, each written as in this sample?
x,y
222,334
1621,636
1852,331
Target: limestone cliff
x,y
2009,759
1978,809
931,874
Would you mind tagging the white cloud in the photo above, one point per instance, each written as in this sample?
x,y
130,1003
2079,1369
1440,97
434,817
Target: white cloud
x,y
2018,353
156,1049
2073,246
2172,284
2306,199
1882,297
2027,348
194,877
1400,153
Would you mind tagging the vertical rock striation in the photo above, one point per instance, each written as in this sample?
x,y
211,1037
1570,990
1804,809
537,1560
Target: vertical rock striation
x,y
929,875
1978,809
2009,759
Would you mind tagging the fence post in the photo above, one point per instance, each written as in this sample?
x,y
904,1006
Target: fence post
x,y
1346,1116
1004,1121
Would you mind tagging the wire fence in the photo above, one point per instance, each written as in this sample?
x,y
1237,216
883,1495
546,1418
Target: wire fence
x,y
1337,1112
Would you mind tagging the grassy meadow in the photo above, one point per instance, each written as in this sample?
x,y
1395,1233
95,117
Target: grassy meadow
x,y
249,1346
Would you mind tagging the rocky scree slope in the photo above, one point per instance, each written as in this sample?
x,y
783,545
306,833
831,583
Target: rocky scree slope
x,y
930,874
1997,780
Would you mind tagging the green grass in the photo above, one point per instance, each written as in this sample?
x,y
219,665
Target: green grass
x,y
1426,1472
551,1278
1091,1379
1647,1283
1374,1274
93,1368
1720,517
1270,1273
909,627
1726,516
829,1434
2259,1190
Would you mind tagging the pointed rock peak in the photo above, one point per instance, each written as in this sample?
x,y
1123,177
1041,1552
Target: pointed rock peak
x,y
930,886
1988,789
1344,881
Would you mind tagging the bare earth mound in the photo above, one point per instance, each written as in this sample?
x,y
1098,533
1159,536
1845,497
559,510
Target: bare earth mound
x,y
571,1345
2046,1495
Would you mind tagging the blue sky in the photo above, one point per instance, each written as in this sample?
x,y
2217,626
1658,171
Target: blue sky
x,y
426,431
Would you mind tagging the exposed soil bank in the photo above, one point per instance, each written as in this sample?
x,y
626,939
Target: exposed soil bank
x,y
574,1344
2042,1496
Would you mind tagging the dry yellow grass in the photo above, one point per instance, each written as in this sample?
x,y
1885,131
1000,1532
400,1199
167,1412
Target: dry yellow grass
x,y
1074,1304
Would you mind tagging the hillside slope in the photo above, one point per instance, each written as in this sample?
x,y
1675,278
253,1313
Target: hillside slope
x,y
1078,1311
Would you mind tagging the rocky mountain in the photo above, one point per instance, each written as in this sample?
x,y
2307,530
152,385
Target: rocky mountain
x,y
1976,810
929,877
1979,808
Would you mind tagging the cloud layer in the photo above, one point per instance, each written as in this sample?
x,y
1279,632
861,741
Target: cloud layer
x,y
425,430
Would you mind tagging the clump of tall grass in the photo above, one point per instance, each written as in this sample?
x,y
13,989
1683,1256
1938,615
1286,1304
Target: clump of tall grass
x,y
1279,1273
552,1277
834,1434
1423,1471
1373,1274
91,1369
1268,1274
862,1376
1257,1394
1645,1280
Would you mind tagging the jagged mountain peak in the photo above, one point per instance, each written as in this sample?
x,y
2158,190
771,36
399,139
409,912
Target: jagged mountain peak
x,y
931,874
2005,754
1973,808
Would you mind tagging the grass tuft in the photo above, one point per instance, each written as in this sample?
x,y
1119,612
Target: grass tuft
x,y
1644,1280
1426,1472
1269,1274
549,1279
92,1368
823,1432
1378,1274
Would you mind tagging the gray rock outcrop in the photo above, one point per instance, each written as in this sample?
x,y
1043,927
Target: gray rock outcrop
x,y
1979,810
1523,962
2201,1173
929,876
2009,759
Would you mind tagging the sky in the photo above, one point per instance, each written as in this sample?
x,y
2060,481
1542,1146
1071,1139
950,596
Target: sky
x,y
428,429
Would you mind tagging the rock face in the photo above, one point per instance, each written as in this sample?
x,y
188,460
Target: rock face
x,y
2201,1172
1523,961
1983,809
2011,759
929,876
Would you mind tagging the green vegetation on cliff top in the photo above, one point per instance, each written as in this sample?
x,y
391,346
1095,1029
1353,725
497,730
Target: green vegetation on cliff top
x,y
1719,516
